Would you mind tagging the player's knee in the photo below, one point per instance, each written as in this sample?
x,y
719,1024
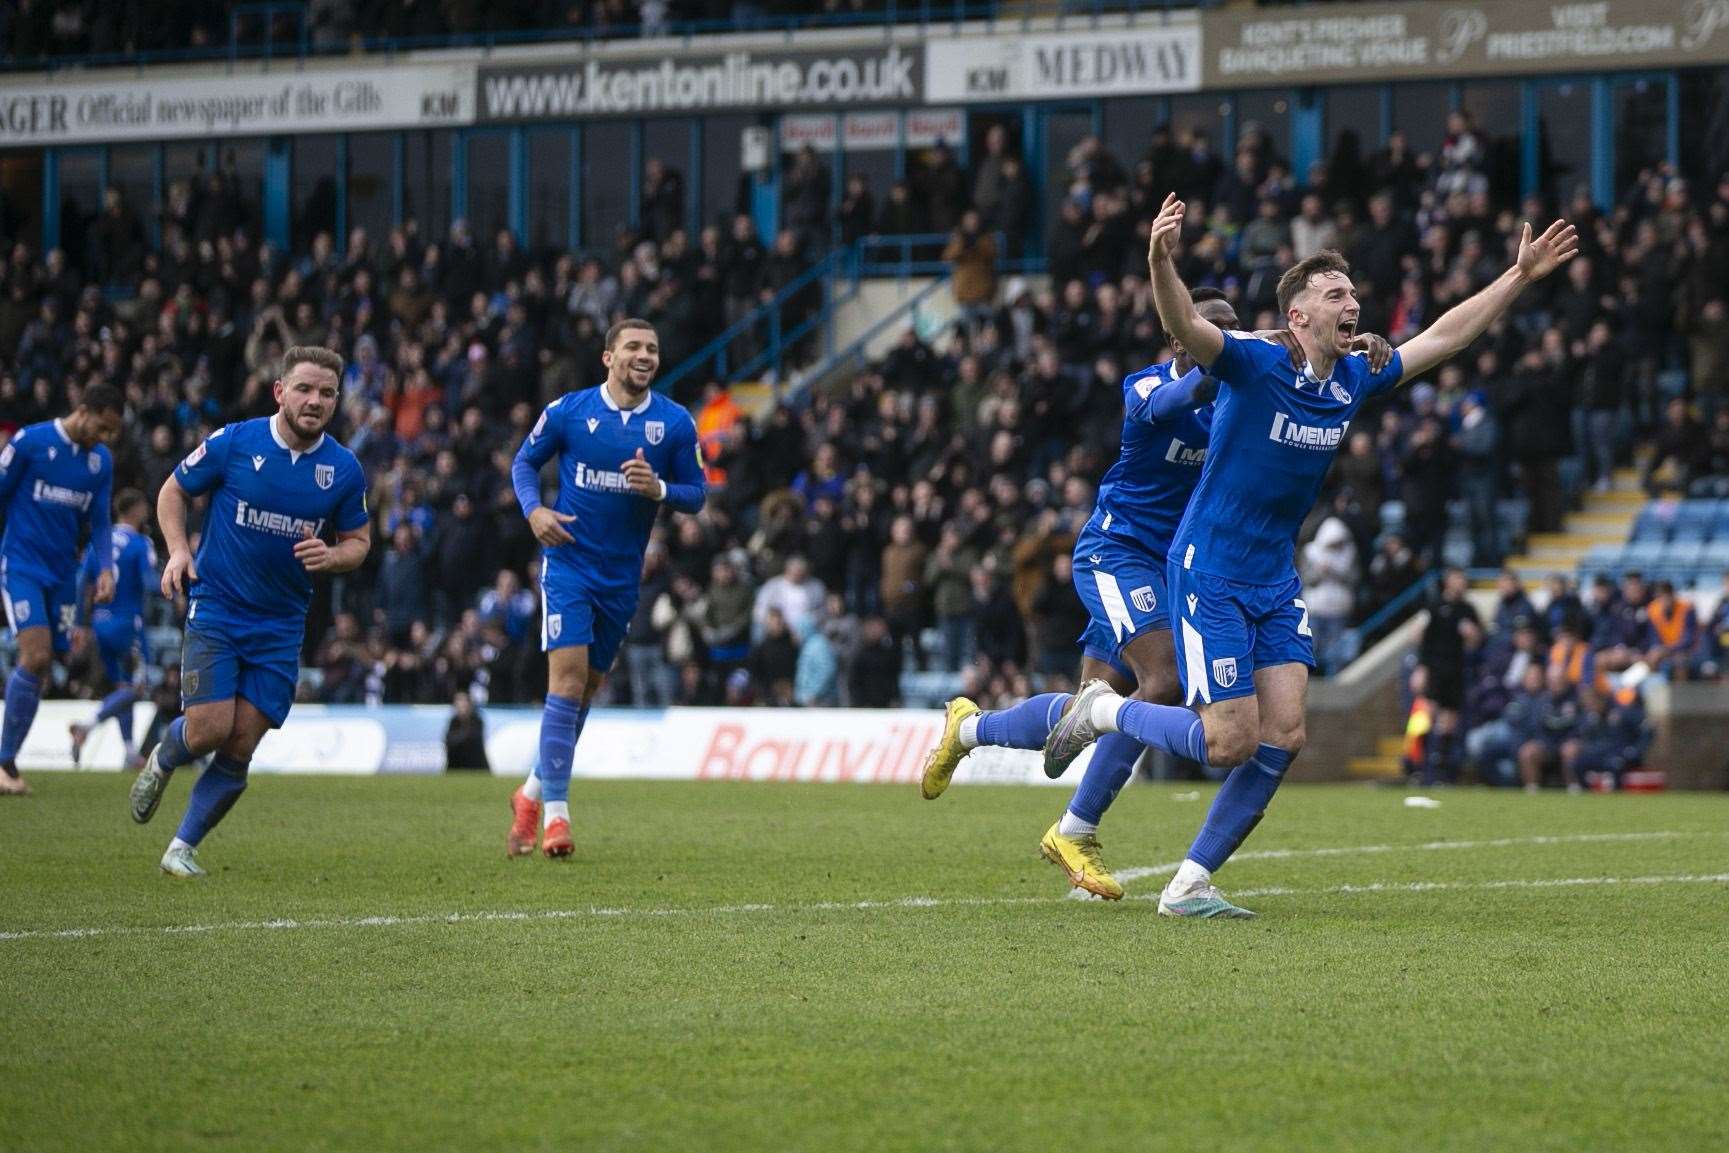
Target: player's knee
x,y
1160,686
205,733
1291,738
37,662
1230,745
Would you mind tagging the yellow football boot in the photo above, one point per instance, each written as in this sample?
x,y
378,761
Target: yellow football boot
x,y
941,762
1079,857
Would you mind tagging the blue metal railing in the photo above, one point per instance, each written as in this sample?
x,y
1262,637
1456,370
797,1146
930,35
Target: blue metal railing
x,y
719,356
920,254
916,254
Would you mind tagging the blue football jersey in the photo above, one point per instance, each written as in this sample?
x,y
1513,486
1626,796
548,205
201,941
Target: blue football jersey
x,y
134,562
264,498
50,488
1275,430
1143,495
593,438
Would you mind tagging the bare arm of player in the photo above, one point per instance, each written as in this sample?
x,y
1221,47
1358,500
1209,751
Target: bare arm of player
x,y
1465,322
171,505
1203,339
346,555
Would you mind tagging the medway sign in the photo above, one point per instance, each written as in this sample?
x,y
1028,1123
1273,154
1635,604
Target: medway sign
x,y
834,78
1347,44
1149,59
146,108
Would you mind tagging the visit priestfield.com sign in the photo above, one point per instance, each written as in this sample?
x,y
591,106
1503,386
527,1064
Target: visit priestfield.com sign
x,y
148,108
606,86
1347,43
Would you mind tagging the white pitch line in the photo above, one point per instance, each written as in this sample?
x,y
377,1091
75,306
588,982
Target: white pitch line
x,y
533,915
1135,874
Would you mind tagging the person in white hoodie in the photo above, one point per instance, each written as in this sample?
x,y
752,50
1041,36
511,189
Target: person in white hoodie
x,y
1330,578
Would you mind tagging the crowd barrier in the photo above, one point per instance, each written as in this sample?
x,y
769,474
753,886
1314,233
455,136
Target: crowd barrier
x,y
882,746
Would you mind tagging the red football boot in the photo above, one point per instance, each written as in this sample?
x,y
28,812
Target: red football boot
x,y
556,841
525,812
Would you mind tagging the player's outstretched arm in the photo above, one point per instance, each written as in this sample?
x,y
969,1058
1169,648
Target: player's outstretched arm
x,y
1203,339
1465,322
171,505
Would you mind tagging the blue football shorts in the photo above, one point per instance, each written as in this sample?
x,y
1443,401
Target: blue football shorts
x,y
1123,587
1225,630
223,659
33,601
579,607
120,644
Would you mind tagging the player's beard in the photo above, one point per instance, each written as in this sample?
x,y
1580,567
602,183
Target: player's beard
x,y
300,419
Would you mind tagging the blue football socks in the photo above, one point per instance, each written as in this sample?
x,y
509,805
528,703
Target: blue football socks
x,y
1022,726
1176,730
23,694
118,704
172,752
560,726
1238,808
1113,761
215,792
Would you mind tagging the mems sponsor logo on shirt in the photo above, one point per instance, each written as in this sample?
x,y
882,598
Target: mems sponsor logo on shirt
x,y
275,523
606,480
46,493
1287,431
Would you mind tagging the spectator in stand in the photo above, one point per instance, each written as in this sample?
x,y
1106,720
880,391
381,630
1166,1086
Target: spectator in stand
x,y
1454,633
465,736
1330,582
1609,738
402,598
1681,450
1671,632
1556,723
774,661
795,595
948,575
972,257
876,667
903,567
1477,444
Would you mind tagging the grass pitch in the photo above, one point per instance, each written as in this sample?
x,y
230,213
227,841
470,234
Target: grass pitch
x,y
729,966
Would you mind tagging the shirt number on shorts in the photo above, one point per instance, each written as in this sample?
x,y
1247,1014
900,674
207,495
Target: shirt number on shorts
x,y
1303,625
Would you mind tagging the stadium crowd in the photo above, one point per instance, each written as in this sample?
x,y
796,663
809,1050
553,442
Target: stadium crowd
x,y
1538,693
922,514
34,29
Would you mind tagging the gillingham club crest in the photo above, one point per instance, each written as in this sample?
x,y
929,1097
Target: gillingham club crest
x,y
324,474
1144,599
655,430
1225,672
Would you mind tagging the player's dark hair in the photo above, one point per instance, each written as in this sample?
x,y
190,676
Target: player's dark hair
x,y
1296,277
102,398
1205,293
310,354
126,500
613,333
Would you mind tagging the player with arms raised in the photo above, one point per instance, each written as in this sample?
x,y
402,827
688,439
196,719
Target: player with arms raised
x,y
55,479
1119,574
616,444
1241,633
118,626
278,485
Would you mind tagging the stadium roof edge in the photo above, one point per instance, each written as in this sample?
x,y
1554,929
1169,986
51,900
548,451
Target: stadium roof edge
x,y
564,51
